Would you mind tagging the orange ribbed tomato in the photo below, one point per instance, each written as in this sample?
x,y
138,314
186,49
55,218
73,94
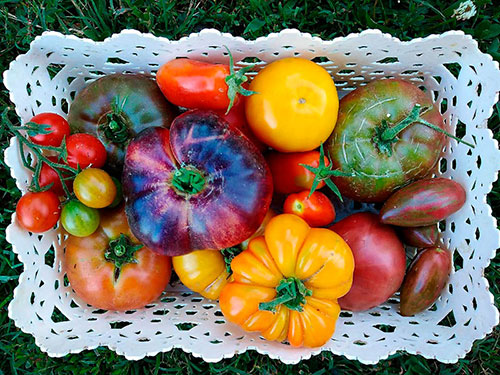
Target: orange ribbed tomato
x,y
286,284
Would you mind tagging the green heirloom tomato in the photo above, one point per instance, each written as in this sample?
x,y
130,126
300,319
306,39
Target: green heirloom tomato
x,y
362,143
78,219
117,107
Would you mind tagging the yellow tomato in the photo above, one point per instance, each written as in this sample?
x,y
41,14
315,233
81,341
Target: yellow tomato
x,y
94,188
202,271
296,105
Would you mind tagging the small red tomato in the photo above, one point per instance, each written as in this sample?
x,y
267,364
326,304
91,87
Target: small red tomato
x,y
59,128
38,212
316,210
236,118
84,150
194,84
49,176
288,175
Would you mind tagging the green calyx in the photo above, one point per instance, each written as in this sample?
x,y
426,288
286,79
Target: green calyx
x,y
235,81
324,173
114,127
229,253
188,181
291,292
121,251
386,136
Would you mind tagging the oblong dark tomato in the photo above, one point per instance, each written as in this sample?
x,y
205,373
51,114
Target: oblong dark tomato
x,y
421,237
58,127
115,108
109,271
38,212
201,185
426,278
424,202
381,167
194,84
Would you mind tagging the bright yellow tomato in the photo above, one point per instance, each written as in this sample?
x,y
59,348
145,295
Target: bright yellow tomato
x,y
286,284
296,105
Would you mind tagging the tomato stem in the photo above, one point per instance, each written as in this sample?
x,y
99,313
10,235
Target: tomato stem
x,y
188,181
386,136
324,173
33,129
291,292
121,251
235,80
229,253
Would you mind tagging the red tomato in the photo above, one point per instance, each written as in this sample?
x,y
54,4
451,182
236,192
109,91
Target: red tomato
x,y
288,175
194,84
316,210
38,212
49,176
85,149
379,260
109,271
59,128
236,118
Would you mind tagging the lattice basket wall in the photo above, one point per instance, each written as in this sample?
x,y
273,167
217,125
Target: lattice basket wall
x,y
464,83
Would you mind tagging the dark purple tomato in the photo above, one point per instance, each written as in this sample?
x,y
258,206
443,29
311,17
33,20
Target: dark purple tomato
x,y
201,185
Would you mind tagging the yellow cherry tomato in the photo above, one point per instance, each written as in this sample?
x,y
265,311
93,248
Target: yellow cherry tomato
x,y
296,105
94,188
286,284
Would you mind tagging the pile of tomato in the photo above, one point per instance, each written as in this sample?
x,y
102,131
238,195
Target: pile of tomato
x,y
220,177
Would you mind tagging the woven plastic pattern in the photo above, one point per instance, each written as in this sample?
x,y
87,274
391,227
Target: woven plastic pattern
x,y
464,83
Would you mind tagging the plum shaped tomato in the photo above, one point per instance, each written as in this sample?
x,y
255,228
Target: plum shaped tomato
x,y
199,185
295,106
111,270
115,108
286,284
380,138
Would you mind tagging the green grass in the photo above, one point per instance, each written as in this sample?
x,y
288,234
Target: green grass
x,y
24,20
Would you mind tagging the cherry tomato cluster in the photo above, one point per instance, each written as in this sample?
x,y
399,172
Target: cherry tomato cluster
x,y
75,162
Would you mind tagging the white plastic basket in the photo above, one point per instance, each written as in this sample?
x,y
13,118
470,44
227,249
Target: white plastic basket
x,y
57,66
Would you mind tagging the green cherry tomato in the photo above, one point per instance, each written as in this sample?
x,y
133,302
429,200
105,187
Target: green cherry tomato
x,y
119,193
78,219
94,188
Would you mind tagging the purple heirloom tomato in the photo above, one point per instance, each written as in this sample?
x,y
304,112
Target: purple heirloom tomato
x,y
200,185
